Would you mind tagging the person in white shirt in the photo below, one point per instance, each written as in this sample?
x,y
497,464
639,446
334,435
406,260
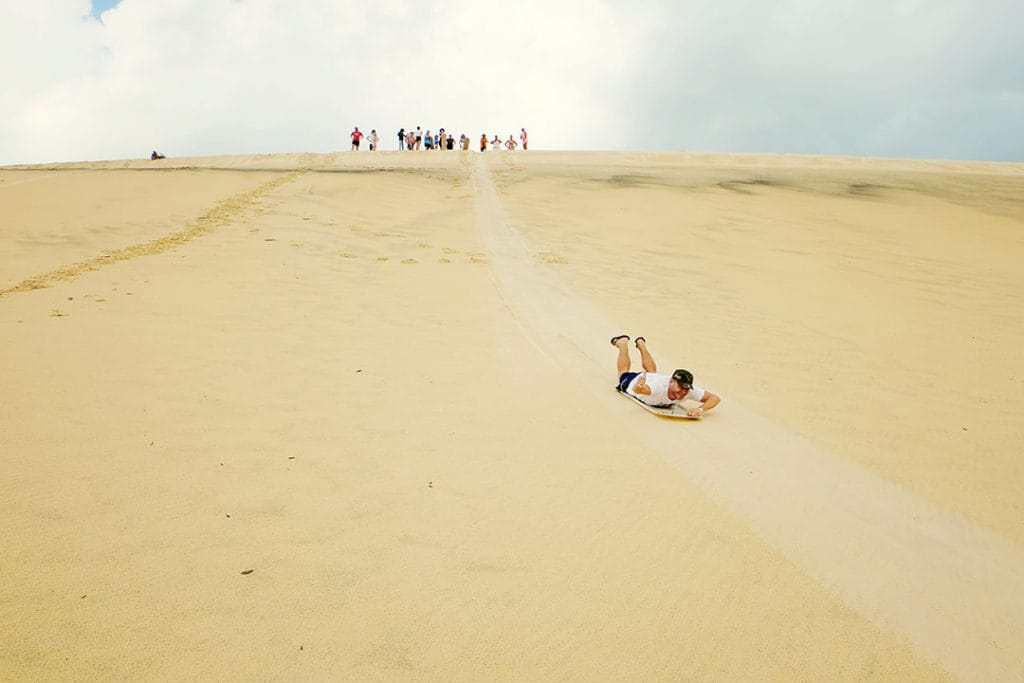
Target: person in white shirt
x,y
374,139
660,391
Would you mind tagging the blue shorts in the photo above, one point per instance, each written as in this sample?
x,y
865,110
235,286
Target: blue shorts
x,y
624,380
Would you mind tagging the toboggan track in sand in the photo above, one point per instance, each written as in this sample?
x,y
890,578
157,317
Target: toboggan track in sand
x,y
951,588
217,217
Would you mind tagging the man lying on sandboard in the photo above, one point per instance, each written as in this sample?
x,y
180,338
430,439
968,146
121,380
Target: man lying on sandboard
x,y
659,391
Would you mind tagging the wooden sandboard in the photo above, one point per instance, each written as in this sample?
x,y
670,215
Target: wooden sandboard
x,y
676,411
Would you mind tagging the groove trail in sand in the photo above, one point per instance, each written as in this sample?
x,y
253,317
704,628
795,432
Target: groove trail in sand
x,y
953,589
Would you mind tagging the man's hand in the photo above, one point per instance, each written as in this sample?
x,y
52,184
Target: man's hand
x,y
695,412
641,385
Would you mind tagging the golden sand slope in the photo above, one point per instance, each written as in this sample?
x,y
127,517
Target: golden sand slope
x,y
382,382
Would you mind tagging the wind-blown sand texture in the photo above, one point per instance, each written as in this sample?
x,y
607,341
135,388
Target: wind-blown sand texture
x,y
383,383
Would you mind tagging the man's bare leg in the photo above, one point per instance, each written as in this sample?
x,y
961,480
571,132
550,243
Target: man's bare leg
x,y
646,360
623,362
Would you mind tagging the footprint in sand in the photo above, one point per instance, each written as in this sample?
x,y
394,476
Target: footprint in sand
x,y
449,250
424,245
409,260
548,257
382,258
444,260
347,254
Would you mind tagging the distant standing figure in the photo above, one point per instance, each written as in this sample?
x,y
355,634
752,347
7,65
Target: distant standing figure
x,y
464,142
511,143
450,142
401,139
156,155
483,142
419,137
523,137
428,141
496,143
374,139
356,137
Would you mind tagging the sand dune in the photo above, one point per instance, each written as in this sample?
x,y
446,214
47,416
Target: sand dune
x,y
382,382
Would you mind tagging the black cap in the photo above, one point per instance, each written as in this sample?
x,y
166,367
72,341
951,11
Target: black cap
x,y
684,378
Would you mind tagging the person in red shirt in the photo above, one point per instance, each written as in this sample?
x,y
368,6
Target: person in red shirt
x,y
356,137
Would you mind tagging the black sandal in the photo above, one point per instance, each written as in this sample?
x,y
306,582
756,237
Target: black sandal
x,y
621,336
637,342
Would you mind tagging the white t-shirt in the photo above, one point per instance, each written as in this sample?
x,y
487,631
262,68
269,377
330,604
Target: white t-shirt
x,y
658,384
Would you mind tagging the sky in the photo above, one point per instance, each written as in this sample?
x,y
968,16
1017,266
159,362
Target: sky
x,y
101,6
939,79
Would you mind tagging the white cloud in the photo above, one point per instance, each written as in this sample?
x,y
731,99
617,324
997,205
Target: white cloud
x,y
224,76
868,77
903,77
42,46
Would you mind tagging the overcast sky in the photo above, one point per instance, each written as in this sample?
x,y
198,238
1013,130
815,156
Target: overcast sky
x,y
897,78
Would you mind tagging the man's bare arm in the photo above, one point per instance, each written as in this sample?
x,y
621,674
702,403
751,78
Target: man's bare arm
x,y
709,401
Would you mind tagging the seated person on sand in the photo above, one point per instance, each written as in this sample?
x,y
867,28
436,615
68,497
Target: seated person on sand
x,y
660,391
156,155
